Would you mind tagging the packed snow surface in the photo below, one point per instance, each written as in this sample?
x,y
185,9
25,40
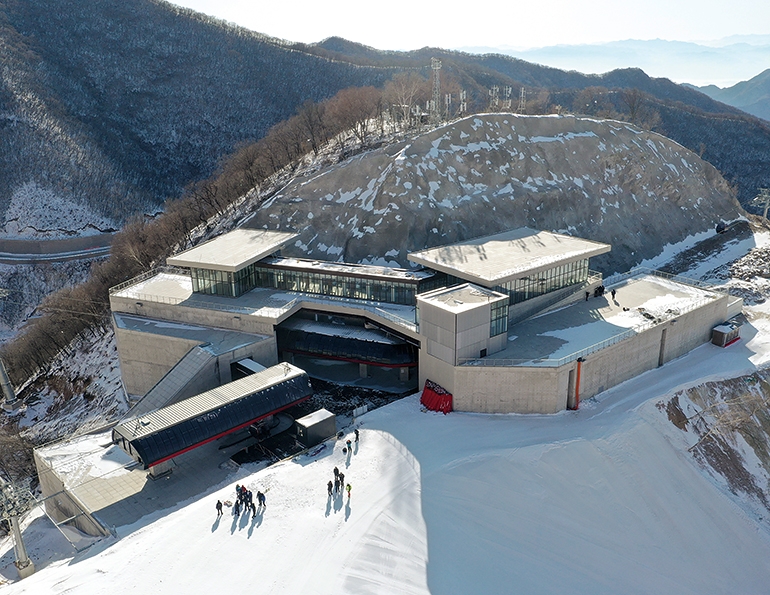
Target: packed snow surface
x,y
603,500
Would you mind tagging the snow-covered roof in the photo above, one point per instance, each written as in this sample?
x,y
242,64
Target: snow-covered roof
x,y
344,268
313,418
495,259
461,297
234,250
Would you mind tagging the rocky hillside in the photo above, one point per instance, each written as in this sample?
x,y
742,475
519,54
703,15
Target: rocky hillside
x,y
599,179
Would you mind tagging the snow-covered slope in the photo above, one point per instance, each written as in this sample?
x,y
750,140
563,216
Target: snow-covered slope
x,y
599,179
603,500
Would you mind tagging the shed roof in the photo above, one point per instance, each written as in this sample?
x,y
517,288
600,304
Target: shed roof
x,y
234,250
492,260
205,402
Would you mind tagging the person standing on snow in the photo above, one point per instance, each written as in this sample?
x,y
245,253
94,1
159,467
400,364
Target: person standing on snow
x,y
356,433
348,488
336,484
329,487
219,508
261,499
342,480
336,473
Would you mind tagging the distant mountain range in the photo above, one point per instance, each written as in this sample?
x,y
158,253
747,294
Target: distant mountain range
x,y
752,96
721,63
119,104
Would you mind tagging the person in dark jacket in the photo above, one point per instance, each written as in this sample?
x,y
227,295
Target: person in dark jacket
x,y
342,480
336,484
261,499
329,487
356,433
219,508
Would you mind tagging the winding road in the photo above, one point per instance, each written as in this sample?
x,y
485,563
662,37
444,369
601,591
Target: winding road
x,y
16,251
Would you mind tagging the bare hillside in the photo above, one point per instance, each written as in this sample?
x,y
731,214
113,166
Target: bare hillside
x,y
599,179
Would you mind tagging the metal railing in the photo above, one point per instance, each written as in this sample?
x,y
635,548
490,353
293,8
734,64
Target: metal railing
x,y
639,271
266,311
147,275
556,363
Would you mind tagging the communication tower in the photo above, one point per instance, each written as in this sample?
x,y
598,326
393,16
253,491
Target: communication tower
x,y
435,115
507,102
463,102
494,98
522,101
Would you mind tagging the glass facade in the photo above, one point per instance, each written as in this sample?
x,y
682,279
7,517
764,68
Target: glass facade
x,y
526,288
498,322
396,291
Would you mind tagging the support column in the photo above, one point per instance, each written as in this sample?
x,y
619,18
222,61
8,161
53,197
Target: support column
x,y
363,370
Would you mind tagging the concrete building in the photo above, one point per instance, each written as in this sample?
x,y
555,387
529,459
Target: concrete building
x,y
513,322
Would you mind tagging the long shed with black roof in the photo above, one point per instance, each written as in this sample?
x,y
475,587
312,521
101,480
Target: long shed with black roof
x,y
170,431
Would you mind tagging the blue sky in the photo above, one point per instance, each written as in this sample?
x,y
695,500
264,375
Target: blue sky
x,y
404,25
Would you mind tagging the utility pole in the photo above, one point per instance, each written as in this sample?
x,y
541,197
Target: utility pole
x,y
435,116
16,501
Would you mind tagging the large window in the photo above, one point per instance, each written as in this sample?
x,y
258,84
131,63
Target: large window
x,y
321,283
532,286
498,321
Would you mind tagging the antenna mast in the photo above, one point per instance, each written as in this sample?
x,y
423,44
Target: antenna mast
x,y
435,115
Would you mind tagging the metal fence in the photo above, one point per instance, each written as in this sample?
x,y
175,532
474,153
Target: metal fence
x,y
555,363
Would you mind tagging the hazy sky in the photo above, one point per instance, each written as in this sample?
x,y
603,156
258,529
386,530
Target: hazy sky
x,y
410,24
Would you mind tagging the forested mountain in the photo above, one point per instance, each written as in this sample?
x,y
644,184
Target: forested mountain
x,y
752,96
119,104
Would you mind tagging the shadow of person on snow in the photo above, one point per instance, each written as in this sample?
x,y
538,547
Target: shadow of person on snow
x,y
215,526
347,509
256,521
328,505
338,502
235,524
244,520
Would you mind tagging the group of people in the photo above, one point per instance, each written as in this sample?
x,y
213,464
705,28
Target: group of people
x,y
336,486
244,501
599,291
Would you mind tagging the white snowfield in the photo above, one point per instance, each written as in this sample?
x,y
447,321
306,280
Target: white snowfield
x,y
603,500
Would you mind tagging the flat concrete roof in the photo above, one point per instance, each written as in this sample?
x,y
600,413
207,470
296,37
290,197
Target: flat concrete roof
x,y
176,288
495,259
234,250
461,297
638,303
219,341
118,492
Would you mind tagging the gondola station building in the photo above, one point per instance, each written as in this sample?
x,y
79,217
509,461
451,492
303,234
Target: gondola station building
x,y
227,336
514,322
